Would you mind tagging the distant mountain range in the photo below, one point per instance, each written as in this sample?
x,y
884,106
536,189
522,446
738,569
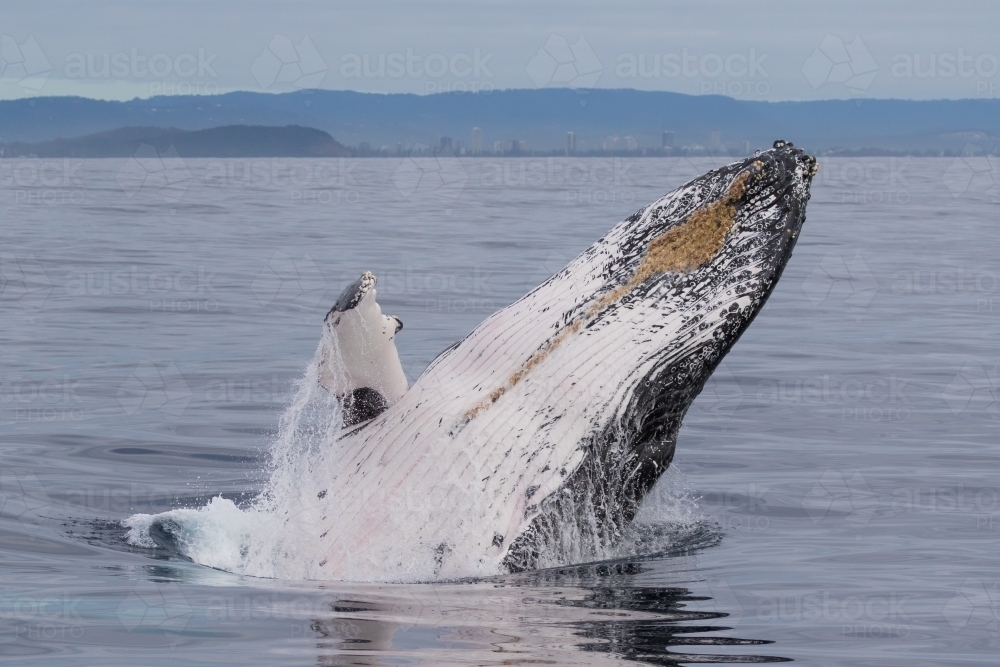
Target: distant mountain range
x,y
540,119
237,141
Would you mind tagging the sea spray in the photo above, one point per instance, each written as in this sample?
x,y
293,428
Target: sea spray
x,y
277,534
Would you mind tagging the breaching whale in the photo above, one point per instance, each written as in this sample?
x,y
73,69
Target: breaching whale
x,y
551,420
571,398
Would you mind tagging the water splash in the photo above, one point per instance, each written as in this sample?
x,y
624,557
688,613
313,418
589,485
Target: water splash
x,y
276,536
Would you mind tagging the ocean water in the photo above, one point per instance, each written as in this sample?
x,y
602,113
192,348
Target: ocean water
x,y
834,500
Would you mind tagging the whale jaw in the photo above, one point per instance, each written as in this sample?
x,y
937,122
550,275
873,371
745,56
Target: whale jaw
x,y
553,419
625,459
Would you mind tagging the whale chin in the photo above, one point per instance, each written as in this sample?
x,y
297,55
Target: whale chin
x,y
552,420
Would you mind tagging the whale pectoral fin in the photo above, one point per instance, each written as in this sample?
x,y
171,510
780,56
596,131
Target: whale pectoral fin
x,y
358,360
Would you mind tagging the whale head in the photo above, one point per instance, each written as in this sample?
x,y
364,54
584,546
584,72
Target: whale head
x,y
691,271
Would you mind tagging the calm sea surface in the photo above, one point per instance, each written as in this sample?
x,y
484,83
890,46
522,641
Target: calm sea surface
x,y
844,462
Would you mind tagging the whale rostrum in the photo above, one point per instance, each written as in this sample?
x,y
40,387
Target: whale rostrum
x,y
554,418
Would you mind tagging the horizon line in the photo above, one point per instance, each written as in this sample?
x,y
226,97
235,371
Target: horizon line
x,y
307,91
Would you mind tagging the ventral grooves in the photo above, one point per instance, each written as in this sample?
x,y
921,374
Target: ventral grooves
x,y
684,247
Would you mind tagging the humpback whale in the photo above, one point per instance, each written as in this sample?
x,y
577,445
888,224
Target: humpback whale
x,y
572,397
552,419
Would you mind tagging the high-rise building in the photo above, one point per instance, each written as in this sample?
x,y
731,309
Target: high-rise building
x,y
668,139
446,145
477,140
570,143
715,143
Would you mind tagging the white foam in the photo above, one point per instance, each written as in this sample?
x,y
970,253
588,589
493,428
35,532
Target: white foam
x,y
277,535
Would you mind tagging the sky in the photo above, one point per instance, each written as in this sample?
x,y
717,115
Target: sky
x,y
802,50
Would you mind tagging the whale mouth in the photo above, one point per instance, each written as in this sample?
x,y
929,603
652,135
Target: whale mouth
x,y
707,258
